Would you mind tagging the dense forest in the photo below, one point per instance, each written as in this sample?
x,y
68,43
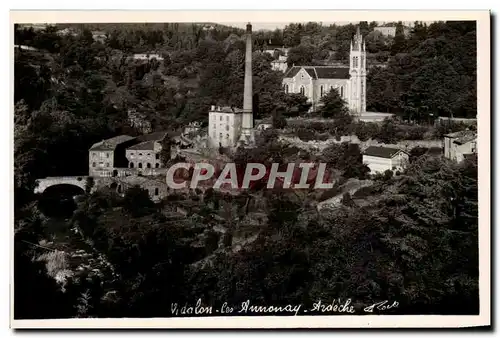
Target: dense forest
x,y
402,243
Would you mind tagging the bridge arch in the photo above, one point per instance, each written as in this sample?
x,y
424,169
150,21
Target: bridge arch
x,y
45,183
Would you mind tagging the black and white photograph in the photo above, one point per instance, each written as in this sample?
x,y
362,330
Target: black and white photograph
x,y
220,169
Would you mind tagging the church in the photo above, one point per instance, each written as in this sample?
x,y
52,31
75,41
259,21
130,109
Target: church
x,y
316,81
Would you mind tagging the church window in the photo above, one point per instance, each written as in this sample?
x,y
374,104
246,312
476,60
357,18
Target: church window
x,y
156,191
302,90
157,165
322,91
131,164
286,88
342,91
220,119
140,165
362,61
148,165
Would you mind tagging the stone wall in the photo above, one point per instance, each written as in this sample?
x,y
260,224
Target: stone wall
x,y
320,145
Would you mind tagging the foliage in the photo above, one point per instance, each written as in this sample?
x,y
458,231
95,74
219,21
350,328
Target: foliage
x,y
332,105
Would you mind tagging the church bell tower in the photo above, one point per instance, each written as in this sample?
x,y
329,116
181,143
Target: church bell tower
x,y
357,70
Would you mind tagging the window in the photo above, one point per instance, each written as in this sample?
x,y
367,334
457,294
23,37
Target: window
x,y
93,164
227,118
140,165
157,165
227,136
148,165
286,88
131,164
157,156
220,135
227,127
156,191
342,91
101,164
107,165
355,62
302,90
149,154
107,155
220,119
94,155
322,91
214,126
140,154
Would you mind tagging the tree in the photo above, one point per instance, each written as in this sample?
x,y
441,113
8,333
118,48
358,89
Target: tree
x,y
279,121
332,105
137,202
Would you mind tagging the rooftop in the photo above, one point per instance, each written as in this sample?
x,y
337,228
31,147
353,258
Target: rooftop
x,y
111,143
156,136
381,152
463,136
321,72
226,109
148,145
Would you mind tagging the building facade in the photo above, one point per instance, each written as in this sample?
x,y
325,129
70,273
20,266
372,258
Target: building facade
x,y
224,126
316,81
380,159
108,154
146,154
280,64
460,144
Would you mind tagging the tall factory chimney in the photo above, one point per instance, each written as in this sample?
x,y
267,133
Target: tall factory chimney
x,y
247,131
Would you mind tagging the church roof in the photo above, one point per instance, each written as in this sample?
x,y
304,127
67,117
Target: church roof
x,y
320,72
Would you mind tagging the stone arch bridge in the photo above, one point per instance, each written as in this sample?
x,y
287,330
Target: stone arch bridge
x,y
44,183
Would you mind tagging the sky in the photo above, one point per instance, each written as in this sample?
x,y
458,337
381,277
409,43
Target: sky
x,y
273,25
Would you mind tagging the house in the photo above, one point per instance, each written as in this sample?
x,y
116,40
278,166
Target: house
x,y
280,64
458,145
146,154
390,31
380,159
109,154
